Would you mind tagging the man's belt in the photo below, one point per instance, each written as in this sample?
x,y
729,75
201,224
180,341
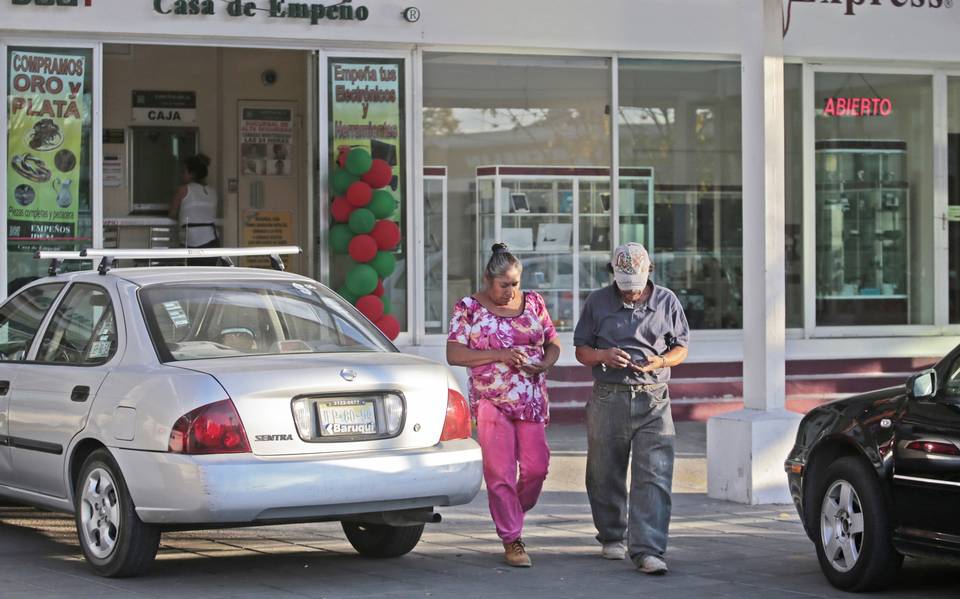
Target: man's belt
x,y
626,387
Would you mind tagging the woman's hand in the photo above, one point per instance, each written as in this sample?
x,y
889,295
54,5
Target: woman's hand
x,y
511,357
535,368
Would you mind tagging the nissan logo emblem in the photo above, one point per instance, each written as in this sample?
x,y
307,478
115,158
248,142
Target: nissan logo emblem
x,y
348,375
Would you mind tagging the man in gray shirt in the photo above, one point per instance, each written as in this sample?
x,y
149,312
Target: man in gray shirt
x,y
631,333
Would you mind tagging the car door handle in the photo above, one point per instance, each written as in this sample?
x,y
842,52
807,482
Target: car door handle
x,y
80,393
4,387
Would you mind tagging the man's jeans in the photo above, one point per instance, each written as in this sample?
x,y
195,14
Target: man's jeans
x,y
622,421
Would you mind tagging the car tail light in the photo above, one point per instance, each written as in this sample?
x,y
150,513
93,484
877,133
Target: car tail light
x,y
457,423
213,428
934,447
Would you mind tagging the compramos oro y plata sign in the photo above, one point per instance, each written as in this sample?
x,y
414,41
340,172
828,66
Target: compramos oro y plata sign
x,y
277,9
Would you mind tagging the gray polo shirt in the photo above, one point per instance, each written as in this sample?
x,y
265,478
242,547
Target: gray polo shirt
x,y
648,329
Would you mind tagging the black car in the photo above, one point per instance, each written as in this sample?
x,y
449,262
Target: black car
x,y
877,476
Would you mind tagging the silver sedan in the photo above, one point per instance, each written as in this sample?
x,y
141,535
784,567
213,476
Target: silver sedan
x,y
146,399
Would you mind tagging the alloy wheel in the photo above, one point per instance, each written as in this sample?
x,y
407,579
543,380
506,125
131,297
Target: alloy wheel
x,y
841,526
100,513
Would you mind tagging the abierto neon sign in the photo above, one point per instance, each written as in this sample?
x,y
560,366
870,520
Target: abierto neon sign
x,y
864,106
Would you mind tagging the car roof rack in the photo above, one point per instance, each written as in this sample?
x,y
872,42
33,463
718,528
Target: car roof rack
x,y
108,257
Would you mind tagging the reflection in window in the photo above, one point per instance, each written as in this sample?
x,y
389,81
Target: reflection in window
x,y
682,120
536,112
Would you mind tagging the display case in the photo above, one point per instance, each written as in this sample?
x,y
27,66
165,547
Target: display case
x,y
863,244
558,221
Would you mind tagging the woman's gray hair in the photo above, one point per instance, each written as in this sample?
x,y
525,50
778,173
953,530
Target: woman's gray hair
x,y
501,262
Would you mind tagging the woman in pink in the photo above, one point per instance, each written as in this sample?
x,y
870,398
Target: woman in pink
x,y
507,340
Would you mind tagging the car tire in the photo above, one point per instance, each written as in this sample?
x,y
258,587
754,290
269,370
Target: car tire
x,y
114,540
852,529
382,540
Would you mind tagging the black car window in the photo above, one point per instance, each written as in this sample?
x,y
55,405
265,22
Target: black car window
x,y
951,382
20,319
83,331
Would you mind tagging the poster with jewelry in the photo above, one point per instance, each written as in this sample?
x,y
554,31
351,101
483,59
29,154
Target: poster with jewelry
x,y
44,140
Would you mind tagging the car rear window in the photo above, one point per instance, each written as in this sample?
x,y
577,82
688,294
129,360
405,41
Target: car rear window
x,y
199,321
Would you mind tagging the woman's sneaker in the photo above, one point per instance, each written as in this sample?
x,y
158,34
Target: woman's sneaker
x,y
515,554
651,564
614,550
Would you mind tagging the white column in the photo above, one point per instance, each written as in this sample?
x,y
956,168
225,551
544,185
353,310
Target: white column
x,y
746,449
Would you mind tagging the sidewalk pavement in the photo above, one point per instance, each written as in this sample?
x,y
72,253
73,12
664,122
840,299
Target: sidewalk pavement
x,y
717,549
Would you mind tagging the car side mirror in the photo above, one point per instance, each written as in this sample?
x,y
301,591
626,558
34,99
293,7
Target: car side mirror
x,y
923,385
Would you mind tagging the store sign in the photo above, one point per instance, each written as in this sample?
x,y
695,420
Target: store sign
x,y
164,108
52,2
265,228
857,107
278,9
44,142
851,7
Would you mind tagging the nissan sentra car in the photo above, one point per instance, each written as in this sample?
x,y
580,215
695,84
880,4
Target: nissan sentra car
x,y
876,477
150,399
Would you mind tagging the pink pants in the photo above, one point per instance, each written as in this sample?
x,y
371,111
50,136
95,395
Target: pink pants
x,y
504,444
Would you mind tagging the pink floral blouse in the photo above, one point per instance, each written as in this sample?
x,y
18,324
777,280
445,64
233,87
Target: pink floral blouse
x,y
518,395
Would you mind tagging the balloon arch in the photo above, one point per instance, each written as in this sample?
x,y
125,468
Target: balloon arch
x,y
362,209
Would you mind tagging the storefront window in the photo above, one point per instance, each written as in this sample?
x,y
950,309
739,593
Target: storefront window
x,y
681,120
368,157
793,189
953,212
874,199
521,144
49,152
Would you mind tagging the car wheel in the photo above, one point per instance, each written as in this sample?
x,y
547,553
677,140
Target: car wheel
x,y
113,538
382,540
853,528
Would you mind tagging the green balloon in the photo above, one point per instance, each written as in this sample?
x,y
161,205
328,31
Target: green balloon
x,y
387,304
362,221
384,263
358,161
340,236
382,205
348,295
362,280
341,180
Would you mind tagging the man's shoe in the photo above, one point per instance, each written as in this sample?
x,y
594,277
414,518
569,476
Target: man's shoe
x,y
651,564
614,550
515,554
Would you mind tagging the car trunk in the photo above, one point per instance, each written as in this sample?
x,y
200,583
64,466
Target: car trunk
x,y
264,389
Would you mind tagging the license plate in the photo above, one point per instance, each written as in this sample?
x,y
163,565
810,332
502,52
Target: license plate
x,y
346,417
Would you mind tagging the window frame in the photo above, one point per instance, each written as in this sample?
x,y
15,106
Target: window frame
x,y
43,319
49,321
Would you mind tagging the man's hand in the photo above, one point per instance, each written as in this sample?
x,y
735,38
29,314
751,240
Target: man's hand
x,y
653,363
614,357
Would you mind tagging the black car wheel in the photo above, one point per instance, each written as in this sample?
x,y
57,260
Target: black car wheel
x,y
114,540
853,528
382,540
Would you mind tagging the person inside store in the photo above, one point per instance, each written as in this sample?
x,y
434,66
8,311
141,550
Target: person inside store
x,y
507,340
631,333
194,207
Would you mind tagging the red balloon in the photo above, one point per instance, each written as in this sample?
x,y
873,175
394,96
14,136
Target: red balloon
x,y
342,157
387,235
389,325
371,307
359,194
341,209
379,175
379,291
362,248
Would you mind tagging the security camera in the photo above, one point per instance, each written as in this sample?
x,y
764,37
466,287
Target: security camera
x,y
268,77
